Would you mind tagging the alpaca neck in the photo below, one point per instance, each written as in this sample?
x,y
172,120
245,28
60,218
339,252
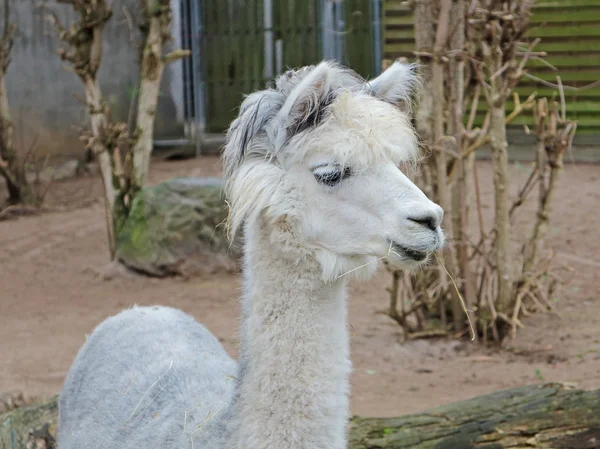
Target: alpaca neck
x,y
294,365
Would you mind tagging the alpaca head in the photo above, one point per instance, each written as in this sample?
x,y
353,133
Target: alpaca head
x,y
314,161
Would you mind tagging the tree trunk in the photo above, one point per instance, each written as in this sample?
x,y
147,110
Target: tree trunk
x,y
152,66
533,246
499,146
93,97
440,142
549,416
553,137
10,167
424,38
541,225
498,93
7,153
456,129
439,103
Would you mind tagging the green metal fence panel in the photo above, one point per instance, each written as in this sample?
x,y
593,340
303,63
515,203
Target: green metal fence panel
x,y
358,48
570,34
233,56
243,48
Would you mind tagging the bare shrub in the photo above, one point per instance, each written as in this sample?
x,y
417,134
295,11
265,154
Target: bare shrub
x,y
472,52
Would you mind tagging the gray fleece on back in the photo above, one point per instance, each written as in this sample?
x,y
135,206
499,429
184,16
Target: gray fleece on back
x,y
149,377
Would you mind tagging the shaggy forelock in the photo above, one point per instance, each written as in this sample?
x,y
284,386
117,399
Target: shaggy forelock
x,y
247,135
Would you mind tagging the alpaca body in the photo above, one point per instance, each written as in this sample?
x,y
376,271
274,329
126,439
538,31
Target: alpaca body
x,y
149,377
164,380
313,179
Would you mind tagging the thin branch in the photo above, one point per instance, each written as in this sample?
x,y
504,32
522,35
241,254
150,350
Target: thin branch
x,y
563,104
556,86
525,191
478,200
176,55
546,63
528,104
502,69
526,56
474,105
485,86
130,22
441,36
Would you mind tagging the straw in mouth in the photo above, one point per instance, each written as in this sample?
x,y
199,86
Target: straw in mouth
x,y
413,254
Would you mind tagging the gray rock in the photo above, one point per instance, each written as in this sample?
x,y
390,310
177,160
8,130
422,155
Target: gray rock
x,y
67,170
178,227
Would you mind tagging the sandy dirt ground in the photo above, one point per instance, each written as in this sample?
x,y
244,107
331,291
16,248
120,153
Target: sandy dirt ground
x,y
51,296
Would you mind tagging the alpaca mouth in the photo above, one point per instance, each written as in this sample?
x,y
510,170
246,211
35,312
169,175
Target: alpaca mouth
x,y
409,253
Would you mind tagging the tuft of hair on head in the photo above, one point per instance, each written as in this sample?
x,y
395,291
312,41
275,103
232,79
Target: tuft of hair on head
x,y
311,91
246,136
290,79
397,84
306,103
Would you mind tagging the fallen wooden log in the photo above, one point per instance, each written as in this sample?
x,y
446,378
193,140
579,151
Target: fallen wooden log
x,y
548,416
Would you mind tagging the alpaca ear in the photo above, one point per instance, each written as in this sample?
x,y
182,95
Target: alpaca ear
x,y
306,104
396,84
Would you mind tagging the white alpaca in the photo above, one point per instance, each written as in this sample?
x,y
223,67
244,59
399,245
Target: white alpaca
x,y
313,179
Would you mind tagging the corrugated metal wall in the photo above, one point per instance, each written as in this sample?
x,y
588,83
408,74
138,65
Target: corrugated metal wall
x,y
570,33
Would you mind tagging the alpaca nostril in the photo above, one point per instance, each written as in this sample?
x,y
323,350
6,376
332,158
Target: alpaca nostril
x,y
430,221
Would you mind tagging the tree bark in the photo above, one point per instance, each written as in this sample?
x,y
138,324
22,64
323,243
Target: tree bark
x,y
8,157
93,97
158,16
493,57
456,129
424,38
439,103
549,416
499,148
441,142
11,168
85,53
545,417
553,137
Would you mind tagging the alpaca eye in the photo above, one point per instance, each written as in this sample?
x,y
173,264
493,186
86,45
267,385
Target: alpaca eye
x,y
332,177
